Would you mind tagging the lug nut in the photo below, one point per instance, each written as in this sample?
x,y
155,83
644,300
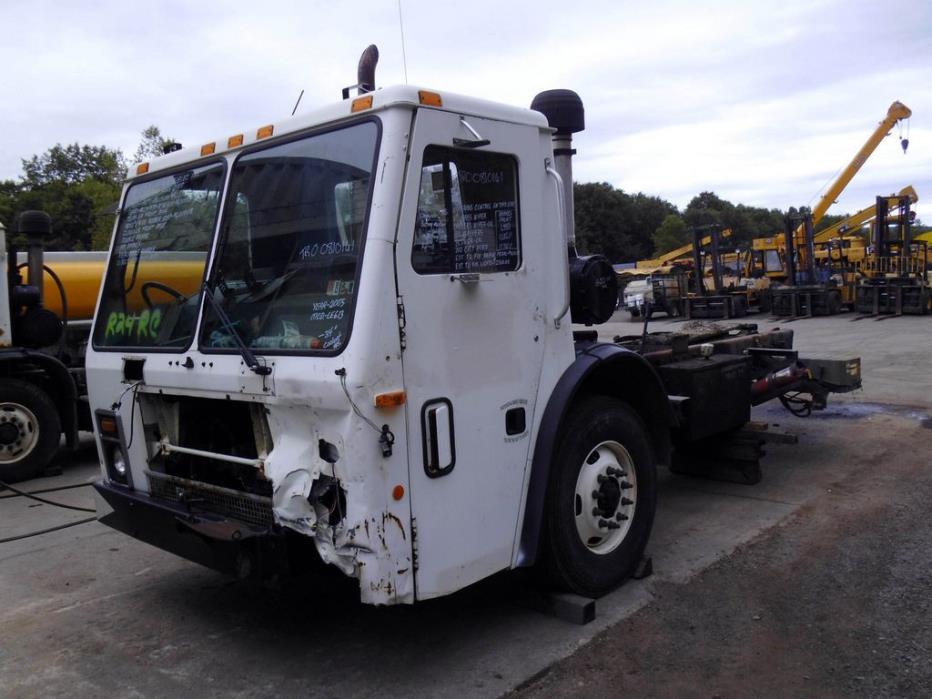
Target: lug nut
x,y
596,494
603,523
625,485
626,501
621,517
601,479
596,512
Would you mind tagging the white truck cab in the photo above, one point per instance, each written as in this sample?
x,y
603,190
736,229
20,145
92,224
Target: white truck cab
x,y
395,269
346,338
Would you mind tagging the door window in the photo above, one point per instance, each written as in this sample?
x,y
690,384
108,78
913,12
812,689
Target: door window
x,y
467,214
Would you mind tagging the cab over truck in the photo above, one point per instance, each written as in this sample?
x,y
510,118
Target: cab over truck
x,y
374,365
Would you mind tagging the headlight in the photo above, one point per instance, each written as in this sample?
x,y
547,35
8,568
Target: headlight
x,y
119,462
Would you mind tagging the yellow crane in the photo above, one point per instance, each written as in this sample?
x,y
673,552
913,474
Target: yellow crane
x,y
681,251
861,218
768,249
895,113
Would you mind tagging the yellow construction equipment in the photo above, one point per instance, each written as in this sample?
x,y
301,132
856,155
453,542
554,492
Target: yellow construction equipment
x,y
894,274
684,251
863,217
768,252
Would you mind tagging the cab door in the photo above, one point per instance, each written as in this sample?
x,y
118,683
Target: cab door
x,y
465,261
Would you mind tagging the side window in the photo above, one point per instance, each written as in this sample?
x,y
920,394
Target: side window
x,y
467,213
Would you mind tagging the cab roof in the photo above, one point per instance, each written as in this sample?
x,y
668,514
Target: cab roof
x,y
403,96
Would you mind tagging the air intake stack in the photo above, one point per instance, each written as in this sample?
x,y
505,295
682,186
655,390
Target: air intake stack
x,y
593,284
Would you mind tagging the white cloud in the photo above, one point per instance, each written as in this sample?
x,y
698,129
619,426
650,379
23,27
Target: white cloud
x,y
761,103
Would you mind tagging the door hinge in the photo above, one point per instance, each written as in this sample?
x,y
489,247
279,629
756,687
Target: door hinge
x,y
414,561
400,304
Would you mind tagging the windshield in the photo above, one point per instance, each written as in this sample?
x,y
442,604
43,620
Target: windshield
x,y
152,288
286,273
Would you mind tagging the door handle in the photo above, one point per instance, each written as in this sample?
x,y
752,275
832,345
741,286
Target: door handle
x,y
437,439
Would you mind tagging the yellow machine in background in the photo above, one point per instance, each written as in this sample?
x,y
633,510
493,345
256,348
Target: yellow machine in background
x,y
894,275
682,253
844,245
769,252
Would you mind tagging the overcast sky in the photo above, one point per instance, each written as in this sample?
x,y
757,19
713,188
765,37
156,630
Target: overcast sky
x,y
760,102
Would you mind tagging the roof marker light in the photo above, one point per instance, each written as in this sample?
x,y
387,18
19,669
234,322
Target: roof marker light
x,y
429,99
234,141
265,131
361,104
142,168
208,149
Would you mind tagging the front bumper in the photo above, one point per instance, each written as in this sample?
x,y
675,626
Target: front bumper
x,y
217,542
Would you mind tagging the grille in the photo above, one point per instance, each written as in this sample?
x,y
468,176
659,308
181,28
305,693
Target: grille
x,y
245,507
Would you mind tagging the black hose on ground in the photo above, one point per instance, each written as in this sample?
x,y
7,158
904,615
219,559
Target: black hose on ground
x,y
46,531
48,490
43,500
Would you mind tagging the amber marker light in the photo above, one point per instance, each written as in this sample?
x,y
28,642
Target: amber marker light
x,y
390,400
429,99
361,104
235,141
398,492
108,426
265,131
142,168
208,149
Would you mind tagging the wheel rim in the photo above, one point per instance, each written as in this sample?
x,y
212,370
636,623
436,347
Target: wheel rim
x,y
19,432
605,498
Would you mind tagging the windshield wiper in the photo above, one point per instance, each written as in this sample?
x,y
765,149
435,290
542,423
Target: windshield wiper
x,y
248,356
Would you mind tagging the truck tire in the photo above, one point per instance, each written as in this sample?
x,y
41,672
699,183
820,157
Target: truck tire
x,y
601,498
30,429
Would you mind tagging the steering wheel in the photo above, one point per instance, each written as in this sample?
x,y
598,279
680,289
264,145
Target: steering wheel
x,y
144,292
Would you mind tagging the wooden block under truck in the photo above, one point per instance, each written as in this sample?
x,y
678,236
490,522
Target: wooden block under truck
x,y
374,366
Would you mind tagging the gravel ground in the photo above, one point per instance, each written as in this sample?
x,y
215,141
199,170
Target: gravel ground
x,y
836,602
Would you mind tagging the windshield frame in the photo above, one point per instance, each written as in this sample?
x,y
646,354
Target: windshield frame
x,y
111,259
226,211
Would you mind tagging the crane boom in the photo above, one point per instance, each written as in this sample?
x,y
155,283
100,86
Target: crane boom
x,y
863,216
678,252
897,111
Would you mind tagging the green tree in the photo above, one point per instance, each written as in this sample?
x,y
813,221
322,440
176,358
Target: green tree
x,y
72,164
706,209
78,186
152,144
616,224
670,234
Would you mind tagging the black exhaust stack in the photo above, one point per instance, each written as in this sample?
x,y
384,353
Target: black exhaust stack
x,y
365,73
593,283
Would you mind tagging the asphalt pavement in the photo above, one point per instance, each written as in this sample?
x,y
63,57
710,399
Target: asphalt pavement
x,y
86,611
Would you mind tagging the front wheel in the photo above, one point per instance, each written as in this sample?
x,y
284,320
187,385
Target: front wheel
x,y
30,430
601,498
